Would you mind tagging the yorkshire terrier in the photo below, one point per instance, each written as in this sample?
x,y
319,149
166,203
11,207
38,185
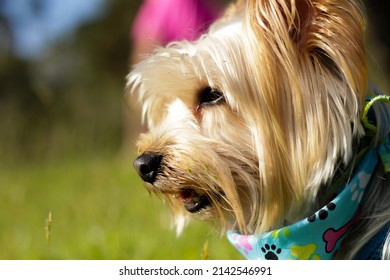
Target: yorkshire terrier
x,y
268,126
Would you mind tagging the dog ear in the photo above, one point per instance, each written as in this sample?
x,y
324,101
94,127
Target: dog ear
x,y
330,31
281,16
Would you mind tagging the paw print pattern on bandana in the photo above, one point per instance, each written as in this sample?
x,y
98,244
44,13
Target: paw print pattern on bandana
x,y
241,243
322,214
358,188
271,252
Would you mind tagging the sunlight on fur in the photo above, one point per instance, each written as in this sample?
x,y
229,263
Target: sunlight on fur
x,y
249,125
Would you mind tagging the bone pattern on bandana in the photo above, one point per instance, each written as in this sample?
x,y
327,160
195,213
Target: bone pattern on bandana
x,y
320,235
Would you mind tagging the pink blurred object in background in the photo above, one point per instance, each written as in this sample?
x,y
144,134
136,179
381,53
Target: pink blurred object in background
x,y
163,21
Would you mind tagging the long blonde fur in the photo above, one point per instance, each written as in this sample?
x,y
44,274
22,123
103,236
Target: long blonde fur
x,y
294,78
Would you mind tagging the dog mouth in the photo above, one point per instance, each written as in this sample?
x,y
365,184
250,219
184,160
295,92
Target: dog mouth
x,y
194,201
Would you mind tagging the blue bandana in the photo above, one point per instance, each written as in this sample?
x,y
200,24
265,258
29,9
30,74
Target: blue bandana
x,y
320,235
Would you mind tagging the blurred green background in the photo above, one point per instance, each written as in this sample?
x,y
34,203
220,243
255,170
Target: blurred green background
x,y
67,186
64,148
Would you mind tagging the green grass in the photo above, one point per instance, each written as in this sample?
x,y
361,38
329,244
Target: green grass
x,y
99,210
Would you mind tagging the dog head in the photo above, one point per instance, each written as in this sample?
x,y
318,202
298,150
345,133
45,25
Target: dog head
x,y
249,121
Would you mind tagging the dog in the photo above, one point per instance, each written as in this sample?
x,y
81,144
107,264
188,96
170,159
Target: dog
x,y
268,127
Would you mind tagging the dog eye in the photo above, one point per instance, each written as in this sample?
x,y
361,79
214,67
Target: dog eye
x,y
210,96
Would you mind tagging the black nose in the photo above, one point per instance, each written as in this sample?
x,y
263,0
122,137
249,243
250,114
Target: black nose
x,y
147,166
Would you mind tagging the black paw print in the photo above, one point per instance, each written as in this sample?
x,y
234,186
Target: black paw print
x,y
322,214
271,252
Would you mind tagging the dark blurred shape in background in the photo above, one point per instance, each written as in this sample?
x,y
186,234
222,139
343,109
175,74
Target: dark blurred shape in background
x,y
378,41
62,75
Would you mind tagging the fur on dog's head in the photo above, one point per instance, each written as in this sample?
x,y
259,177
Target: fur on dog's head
x,y
248,122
